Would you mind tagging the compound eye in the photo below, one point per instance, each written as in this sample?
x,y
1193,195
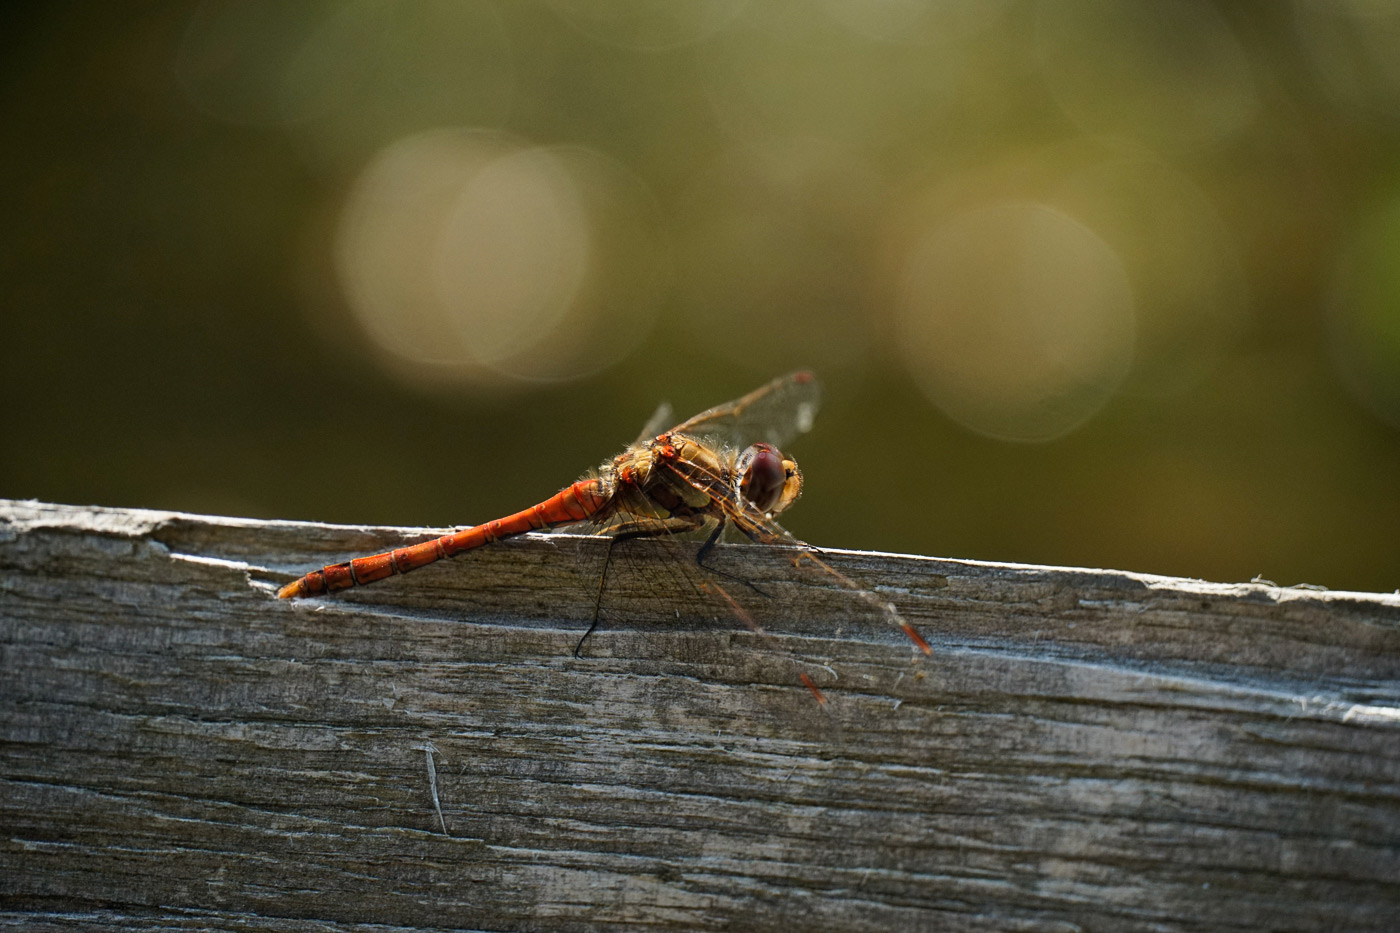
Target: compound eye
x,y
762,476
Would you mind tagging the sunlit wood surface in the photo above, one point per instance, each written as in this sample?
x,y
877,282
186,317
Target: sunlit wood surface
x,y
1092,750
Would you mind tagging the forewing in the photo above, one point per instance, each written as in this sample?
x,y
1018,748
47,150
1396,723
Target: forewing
x,y
656,423
775,413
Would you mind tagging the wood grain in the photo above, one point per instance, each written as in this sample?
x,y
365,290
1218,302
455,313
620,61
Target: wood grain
x,y
1085,749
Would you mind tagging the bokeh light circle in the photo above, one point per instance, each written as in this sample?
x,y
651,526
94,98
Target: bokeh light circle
x,y
467,256
1016,320
511,255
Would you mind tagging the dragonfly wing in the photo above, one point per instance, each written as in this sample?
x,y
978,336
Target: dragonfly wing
x,y
656,423
775,413
621,524
763,529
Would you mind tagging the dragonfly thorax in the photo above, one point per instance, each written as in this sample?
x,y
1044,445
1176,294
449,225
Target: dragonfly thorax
x,y
674,476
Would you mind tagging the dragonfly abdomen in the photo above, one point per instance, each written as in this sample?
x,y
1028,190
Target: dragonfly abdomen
x,y
581,501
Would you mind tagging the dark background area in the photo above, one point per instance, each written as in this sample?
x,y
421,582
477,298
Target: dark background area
x,y
1086,283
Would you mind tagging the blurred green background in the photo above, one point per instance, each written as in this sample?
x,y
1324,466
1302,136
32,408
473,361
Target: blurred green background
x,y
1089,283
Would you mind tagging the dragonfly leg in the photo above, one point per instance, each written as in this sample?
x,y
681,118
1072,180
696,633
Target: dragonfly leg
x,y
709,544
638,529
597,599
704,552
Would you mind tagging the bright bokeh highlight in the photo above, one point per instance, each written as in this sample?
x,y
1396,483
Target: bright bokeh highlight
x,y
1016,320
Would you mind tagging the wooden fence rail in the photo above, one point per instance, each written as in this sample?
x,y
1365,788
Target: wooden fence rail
x,y
1084,749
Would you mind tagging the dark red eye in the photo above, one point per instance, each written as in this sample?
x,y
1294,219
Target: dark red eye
x,y
762,476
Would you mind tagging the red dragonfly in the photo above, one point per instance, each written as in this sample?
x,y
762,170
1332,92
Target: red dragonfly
x,y
720,469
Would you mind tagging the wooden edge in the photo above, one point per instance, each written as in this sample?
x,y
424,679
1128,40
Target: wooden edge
x,y
1082,748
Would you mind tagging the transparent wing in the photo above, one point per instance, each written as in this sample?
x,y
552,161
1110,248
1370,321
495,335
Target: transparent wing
x,y
672,577
763,529
657,423
775,413
630,526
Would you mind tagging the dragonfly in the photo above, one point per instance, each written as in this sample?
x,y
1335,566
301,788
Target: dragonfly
x,y
720,470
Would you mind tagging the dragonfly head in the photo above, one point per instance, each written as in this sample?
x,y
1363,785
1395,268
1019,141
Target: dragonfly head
x,y
767,479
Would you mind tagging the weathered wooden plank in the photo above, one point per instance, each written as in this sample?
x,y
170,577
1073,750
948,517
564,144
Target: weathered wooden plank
x,y
1084,749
